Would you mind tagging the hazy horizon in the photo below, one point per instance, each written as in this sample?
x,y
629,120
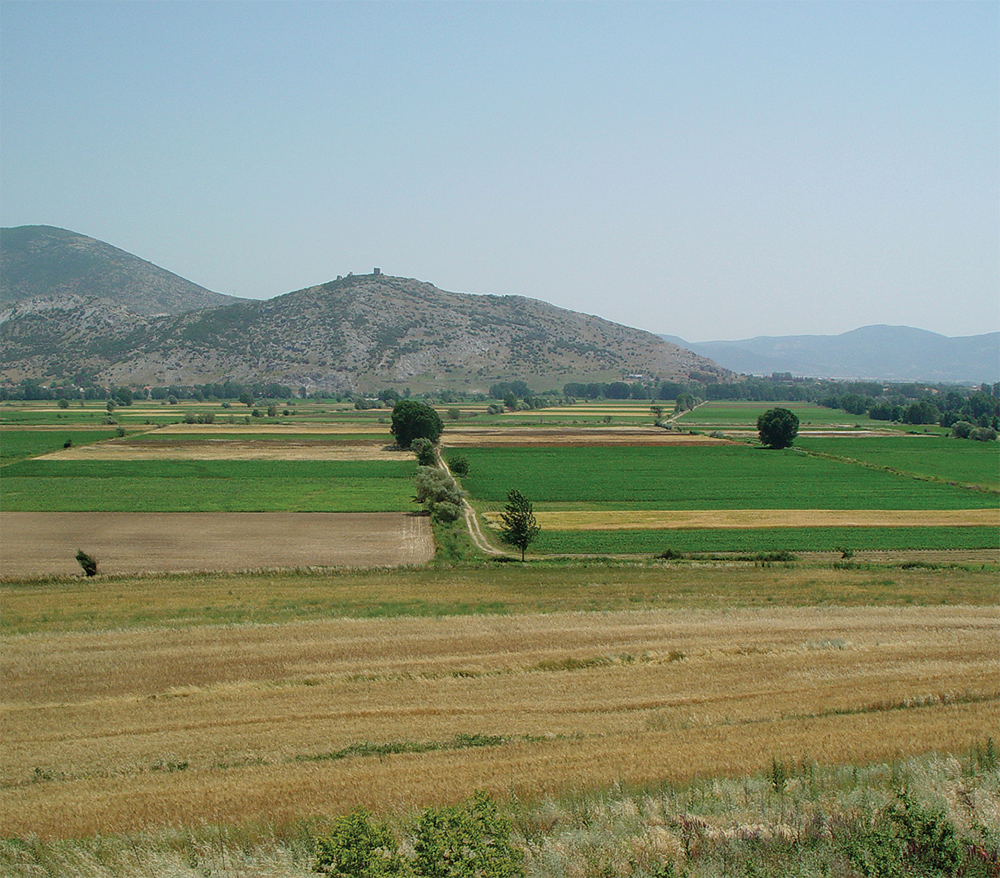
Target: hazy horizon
x,y
705,170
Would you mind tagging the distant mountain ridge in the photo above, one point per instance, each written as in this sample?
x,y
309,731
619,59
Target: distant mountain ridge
x,y
355,333
48,261
890,353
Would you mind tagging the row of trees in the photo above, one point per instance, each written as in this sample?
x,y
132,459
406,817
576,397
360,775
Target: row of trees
x,y
418,427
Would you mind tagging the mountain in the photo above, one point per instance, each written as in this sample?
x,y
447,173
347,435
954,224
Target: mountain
x,y
46,261
355,333
890,353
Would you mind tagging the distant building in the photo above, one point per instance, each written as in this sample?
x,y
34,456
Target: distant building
x,y
377,272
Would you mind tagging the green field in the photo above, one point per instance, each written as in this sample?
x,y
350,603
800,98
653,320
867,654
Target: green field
x,y
756,540
18,444
207,486
743,415
957,460
698,477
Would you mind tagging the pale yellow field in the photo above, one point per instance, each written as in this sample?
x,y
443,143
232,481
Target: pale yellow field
x,y
227,449
530,437
654,519
121,730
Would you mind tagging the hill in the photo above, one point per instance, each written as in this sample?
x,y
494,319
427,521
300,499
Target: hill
x,y
891,353
355,333
43,261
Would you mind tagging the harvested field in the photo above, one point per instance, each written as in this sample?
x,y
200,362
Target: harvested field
x,y
236,430
652,519
532,437
123,730
231,449
45,543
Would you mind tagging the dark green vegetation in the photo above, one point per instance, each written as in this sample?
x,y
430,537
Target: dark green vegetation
x,y
412,419
686,477
207,486
467,840
777,428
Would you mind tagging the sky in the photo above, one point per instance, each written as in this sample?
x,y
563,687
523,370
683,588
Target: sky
x,y
709,170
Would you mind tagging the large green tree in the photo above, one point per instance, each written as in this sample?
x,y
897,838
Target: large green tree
x,y
412,419
778,427
518,526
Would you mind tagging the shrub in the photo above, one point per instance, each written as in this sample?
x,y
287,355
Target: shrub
x,y
424,449
907,840
961,429
446,512
434,486
984,434
469,840
458,464
358,847
87,562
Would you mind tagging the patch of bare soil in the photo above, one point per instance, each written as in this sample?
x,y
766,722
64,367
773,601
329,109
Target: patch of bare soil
x,y
45,543
533,437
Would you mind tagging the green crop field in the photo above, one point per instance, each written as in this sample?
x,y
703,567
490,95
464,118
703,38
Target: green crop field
x,y
743,415
18,444
207,486
756,540
958,460
698,477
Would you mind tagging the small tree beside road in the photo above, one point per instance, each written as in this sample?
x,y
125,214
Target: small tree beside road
x,y
518,525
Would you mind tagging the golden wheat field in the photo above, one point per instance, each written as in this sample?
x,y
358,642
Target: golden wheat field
x,y
114,730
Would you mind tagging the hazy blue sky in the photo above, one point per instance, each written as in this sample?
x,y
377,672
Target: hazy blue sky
x,y
711,170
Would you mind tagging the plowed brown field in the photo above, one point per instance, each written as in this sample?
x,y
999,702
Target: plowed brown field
x,y
45,543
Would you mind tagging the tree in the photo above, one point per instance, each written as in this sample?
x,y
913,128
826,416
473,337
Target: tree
x,y
412,419
777,428
518,525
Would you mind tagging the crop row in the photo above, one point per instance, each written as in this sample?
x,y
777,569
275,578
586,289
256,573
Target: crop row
x,y
724,477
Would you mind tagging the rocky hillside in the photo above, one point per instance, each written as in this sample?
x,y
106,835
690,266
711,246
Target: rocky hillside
x,y
356,333
46,261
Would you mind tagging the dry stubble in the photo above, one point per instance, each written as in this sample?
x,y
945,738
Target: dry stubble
x,y
142,728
